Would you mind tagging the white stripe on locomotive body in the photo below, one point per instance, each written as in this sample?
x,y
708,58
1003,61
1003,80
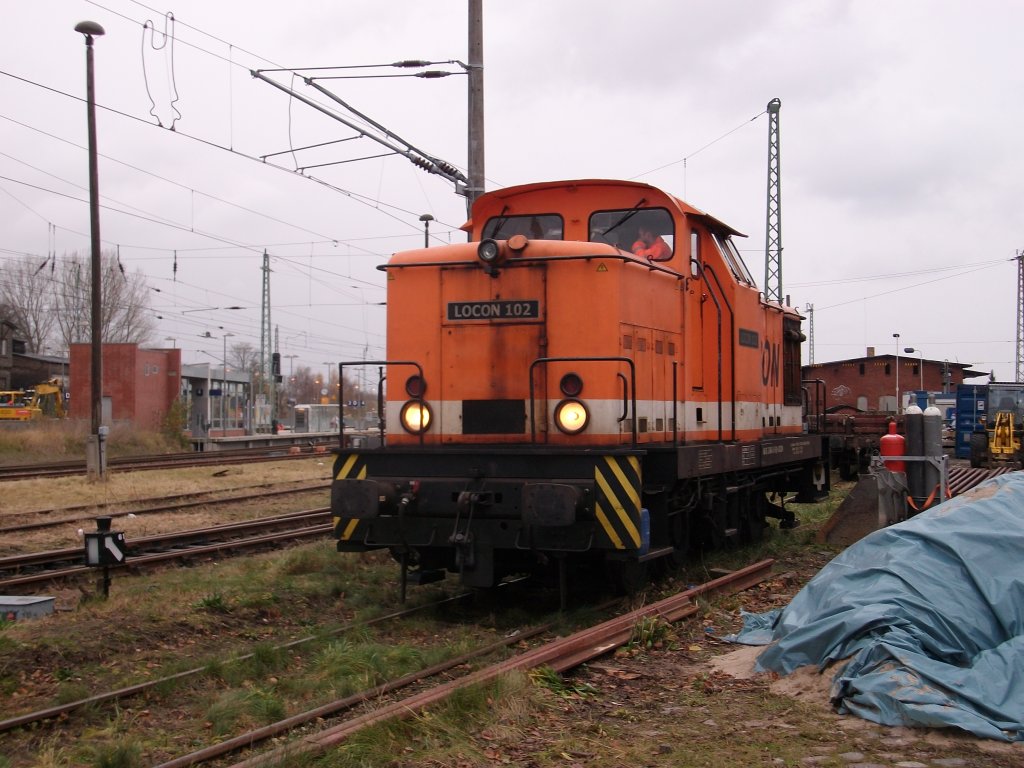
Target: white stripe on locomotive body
x,y
604,418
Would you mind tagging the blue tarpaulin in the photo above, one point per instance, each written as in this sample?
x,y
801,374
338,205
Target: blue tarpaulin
x,y
929,614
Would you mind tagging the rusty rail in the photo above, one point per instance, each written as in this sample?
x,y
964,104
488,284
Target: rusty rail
x,y
562,654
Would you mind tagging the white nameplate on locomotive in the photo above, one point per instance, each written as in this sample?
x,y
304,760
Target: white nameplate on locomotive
x,y
494,310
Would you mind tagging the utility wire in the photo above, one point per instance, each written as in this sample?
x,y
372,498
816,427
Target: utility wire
x,y
892,275
698,151
906,287
357,197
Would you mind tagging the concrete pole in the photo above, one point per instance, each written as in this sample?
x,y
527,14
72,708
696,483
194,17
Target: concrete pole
x,y
95,459
897,337
475,164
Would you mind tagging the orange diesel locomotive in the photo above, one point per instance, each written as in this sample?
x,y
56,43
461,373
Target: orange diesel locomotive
x,y
594,379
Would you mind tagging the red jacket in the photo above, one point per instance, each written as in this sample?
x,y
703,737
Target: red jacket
x,y
656,251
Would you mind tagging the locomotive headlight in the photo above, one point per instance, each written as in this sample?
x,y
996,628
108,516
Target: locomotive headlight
x,y
488,251
416,417
571,416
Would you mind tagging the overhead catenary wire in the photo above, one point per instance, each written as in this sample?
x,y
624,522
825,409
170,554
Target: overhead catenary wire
x,y
424,160
303,172
892,275
696,152
384,208
989,265
359,198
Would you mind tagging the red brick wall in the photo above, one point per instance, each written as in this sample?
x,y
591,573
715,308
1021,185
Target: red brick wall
x,y
141,383
845,383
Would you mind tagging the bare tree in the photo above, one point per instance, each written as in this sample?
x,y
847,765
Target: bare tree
x,y
302,386
243,357
27,291
125,313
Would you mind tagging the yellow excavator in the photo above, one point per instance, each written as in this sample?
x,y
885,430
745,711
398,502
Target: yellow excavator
x,y
998,438
45,400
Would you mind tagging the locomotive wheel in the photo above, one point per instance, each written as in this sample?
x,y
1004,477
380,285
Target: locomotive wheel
x,y
752,525
679,532
849,464
627,577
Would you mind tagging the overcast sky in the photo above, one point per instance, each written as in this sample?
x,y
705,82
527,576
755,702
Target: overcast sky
x,y
901,133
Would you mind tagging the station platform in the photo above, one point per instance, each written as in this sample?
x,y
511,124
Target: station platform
x,y
286,439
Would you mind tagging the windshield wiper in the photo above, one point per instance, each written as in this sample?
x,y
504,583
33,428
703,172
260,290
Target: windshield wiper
x,y
629,215
502,221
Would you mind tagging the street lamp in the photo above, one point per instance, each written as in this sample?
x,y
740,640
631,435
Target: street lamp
x,y
920,367
95,460
224,390
897,337
426,218
327,381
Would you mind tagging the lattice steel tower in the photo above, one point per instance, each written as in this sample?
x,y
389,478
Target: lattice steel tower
x,y
1019,378
773,234
267,382
810,347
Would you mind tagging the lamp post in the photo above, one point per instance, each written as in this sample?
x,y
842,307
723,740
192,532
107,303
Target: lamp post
x,y
897,337
95,459
426,218
920,367
327,382
224,388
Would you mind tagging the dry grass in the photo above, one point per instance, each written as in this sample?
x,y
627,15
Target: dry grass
x,y
56,440
24,501
55,493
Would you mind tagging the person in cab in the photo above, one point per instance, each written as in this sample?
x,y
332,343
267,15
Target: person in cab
x,y
651,246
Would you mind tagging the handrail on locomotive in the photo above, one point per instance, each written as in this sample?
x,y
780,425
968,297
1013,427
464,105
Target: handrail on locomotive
x,y
631,394
628,397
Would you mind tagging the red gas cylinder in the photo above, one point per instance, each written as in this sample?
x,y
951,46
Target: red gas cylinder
x,y
893,444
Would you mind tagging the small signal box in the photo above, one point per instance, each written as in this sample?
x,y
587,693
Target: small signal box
x,y
104,547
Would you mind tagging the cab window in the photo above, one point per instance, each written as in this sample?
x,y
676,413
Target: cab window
x,y
647,232
732,257
538,227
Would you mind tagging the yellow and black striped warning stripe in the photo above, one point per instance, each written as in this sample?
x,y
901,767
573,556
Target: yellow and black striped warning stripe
x,y
351,467
618,500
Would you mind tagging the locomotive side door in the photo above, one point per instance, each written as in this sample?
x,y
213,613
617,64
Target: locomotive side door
x,y
653,352
666,349
638,344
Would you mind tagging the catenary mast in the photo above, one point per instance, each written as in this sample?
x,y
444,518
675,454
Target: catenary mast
x,y
773,235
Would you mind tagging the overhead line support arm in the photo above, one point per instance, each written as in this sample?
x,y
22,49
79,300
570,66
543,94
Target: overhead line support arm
x,y
416,157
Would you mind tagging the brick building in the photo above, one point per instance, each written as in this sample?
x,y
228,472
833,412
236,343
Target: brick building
x,y
29,369
6,352
139,385
870,383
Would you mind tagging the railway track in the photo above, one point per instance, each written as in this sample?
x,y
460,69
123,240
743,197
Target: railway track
x,y
42,519
122,694
165,461
42,569
560,654
337,720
